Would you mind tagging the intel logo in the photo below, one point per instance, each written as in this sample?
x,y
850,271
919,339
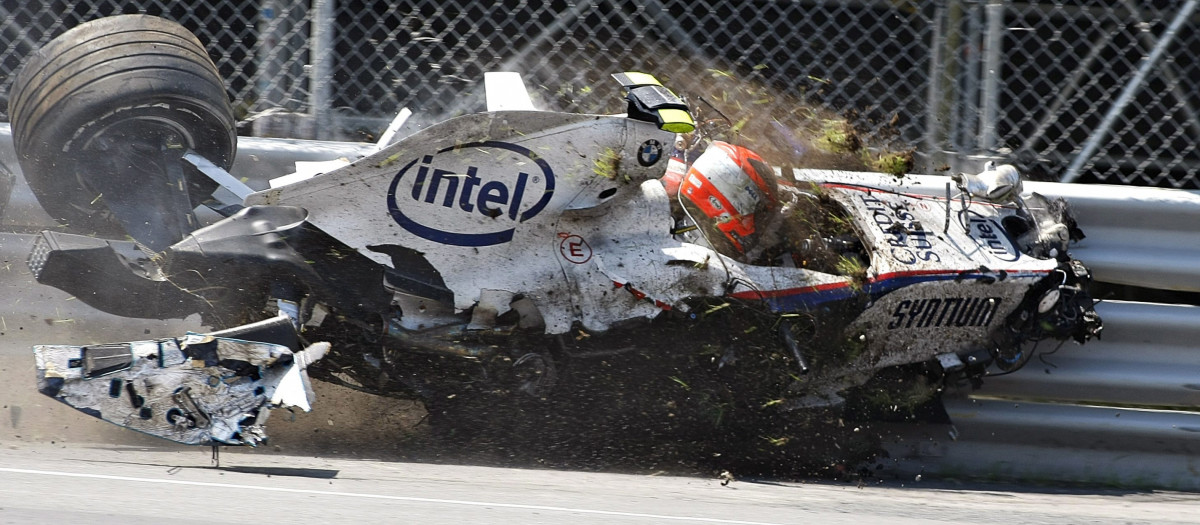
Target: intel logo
x,y
990,236
470,194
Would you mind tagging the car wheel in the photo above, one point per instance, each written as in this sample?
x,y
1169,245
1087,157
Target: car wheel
x,y
110,94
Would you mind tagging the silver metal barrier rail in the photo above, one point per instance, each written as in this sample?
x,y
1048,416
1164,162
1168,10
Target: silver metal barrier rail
x,y
1138,236
1147,357
1006,440
1120,411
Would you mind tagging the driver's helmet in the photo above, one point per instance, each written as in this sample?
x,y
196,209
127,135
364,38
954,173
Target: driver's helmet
x,y
725,188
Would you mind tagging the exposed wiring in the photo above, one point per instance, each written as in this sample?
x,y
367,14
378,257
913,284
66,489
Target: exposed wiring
x,y
962,197
1022,359
1042,356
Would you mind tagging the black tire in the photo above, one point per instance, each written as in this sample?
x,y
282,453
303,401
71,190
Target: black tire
x,y
112,83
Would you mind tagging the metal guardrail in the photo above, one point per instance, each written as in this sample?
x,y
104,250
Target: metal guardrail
x,y
1148,357
1137,236
1052,443
1123,411
1120,411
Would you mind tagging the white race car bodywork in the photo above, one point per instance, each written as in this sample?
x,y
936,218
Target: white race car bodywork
x,y
529,223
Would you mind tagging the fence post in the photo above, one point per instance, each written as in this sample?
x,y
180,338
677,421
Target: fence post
x,y
320,74
967,97
989,111
279,70
937,114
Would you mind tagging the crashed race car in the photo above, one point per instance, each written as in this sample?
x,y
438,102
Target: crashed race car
x,y
494,253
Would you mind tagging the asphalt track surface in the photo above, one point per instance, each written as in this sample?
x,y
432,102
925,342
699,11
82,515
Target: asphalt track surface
x,y
45,483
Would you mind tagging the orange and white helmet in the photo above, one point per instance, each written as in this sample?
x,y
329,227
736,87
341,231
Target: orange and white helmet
x,y
728,184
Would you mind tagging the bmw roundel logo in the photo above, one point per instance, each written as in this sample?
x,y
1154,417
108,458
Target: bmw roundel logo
x,y
650,152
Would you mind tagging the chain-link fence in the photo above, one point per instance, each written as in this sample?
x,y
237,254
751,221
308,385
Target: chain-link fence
x,y
1099,90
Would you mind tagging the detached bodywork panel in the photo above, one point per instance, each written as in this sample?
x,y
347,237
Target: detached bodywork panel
x,y
197,389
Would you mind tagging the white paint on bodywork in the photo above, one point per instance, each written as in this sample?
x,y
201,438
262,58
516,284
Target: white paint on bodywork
x,y
887,202
959,254
637,269
230,407
595,164
473,195
308,169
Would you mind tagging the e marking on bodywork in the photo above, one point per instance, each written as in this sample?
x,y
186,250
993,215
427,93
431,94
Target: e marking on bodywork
x,y
574,248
